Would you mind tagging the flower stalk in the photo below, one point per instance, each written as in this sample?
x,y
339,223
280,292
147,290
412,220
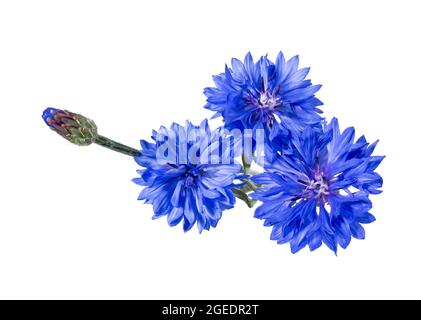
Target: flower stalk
x,y
116,146
249,186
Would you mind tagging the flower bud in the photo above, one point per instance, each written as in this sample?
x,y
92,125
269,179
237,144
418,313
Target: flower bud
x,y
72,126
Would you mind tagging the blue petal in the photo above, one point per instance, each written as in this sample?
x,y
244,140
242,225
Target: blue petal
x,y
299,95
175,216
315,241
357,231
364,217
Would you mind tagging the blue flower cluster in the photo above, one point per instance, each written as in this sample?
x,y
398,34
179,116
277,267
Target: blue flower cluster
x,y
184,188
319,193
316,179
264,95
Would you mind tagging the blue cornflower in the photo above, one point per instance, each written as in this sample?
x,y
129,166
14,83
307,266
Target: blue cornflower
x,y
319,192
264,94
182,181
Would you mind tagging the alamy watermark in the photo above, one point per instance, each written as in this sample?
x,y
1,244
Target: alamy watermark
x,y
199,145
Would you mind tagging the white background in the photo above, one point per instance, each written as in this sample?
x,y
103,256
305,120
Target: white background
x,y
70,224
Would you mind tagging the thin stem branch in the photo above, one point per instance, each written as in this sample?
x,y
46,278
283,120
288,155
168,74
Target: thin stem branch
x,y
116,146
246,164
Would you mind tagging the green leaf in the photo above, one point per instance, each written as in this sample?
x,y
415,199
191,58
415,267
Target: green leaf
x,y
240,194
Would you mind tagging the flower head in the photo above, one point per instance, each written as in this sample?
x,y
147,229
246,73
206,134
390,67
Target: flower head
x,y
72,126
264,94
182,181
320,191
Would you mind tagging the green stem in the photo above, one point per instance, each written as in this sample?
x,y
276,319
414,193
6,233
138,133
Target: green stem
x,y
116,146
249,186
246,165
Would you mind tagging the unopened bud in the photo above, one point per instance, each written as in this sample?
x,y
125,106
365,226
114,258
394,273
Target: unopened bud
x,y
72,126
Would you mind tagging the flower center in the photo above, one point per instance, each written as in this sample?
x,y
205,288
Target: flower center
x,y
191,174
318,187
269,100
